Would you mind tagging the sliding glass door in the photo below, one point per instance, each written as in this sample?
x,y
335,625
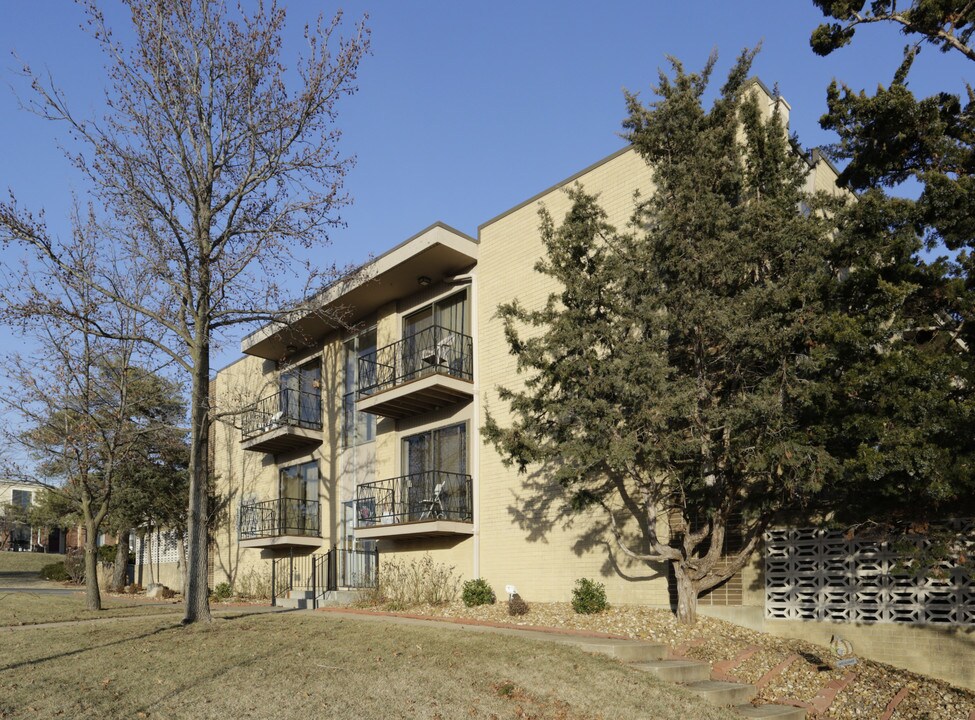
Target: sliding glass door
x,y
435,466
298,499
301,395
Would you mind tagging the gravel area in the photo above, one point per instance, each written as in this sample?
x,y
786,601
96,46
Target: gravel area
x,y
867,696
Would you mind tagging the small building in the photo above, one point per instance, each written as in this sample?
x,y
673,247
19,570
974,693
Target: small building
x,y
17,532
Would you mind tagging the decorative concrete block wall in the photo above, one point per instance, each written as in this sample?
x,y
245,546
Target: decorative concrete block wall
x,y
816,574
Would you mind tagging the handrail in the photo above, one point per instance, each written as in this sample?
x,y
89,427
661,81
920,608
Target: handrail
x,y
287,407
434,350
319,573
418,497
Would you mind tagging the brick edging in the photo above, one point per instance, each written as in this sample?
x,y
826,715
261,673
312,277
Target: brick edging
x,y
480,623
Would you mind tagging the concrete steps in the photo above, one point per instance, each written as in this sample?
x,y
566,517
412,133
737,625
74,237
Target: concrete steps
x,y
302,599
692,674
683,672
776,712
717,692
628,651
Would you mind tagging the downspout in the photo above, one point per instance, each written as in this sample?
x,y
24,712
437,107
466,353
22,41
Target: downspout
x,y
471,277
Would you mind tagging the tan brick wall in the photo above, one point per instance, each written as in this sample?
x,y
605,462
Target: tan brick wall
x,y
523,541
167,574
455,552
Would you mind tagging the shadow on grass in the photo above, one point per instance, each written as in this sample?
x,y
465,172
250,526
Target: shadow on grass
x,y
79,651
198,680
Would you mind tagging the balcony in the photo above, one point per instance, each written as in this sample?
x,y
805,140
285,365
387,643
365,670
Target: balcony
x,y
428,504
280,523
286,420
427,371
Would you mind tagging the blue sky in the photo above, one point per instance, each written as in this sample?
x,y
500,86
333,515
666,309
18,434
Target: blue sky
x,y
465,109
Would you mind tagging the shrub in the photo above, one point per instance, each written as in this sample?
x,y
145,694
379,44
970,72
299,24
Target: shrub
x,y
477,592
517,606
55,571
222,592
253,584
417,582
106,553
133,589
589,597
74,564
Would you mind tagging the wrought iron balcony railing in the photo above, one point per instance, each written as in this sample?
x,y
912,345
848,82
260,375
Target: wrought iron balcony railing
x,y
277,518
284,408
420,497
435,350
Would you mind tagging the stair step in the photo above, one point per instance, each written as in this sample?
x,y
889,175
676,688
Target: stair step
x,y
628,651
723,693
776,712
677,671
293,603
300,594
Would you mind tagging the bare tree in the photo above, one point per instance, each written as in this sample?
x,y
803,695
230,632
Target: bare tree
x,y
78,398
211,166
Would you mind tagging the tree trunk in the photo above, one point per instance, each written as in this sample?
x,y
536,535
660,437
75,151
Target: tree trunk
x,y
93,599
197,597
181,562
686,596
120,572
152,566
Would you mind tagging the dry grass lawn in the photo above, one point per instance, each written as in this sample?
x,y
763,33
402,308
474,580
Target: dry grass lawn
x,y
20,570
33,608
25,562
286,665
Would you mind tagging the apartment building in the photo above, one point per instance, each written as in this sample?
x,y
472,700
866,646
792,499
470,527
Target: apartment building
x,y
358,423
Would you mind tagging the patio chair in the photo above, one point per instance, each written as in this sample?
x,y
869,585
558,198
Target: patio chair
x,y
439,353
433,506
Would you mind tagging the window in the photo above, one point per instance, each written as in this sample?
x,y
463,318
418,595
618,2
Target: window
x,y
299,482
357,427
21,498
450,313
301,395
437,338
443,449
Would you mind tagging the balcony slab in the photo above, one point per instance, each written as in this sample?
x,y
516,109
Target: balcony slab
x,y
281,541
415,397
282,438
425,528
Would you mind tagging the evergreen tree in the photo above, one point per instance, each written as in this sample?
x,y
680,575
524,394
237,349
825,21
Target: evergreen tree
x,y
668,382
893,137
903,405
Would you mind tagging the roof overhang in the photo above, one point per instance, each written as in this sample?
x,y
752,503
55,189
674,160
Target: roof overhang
x,y
435,253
